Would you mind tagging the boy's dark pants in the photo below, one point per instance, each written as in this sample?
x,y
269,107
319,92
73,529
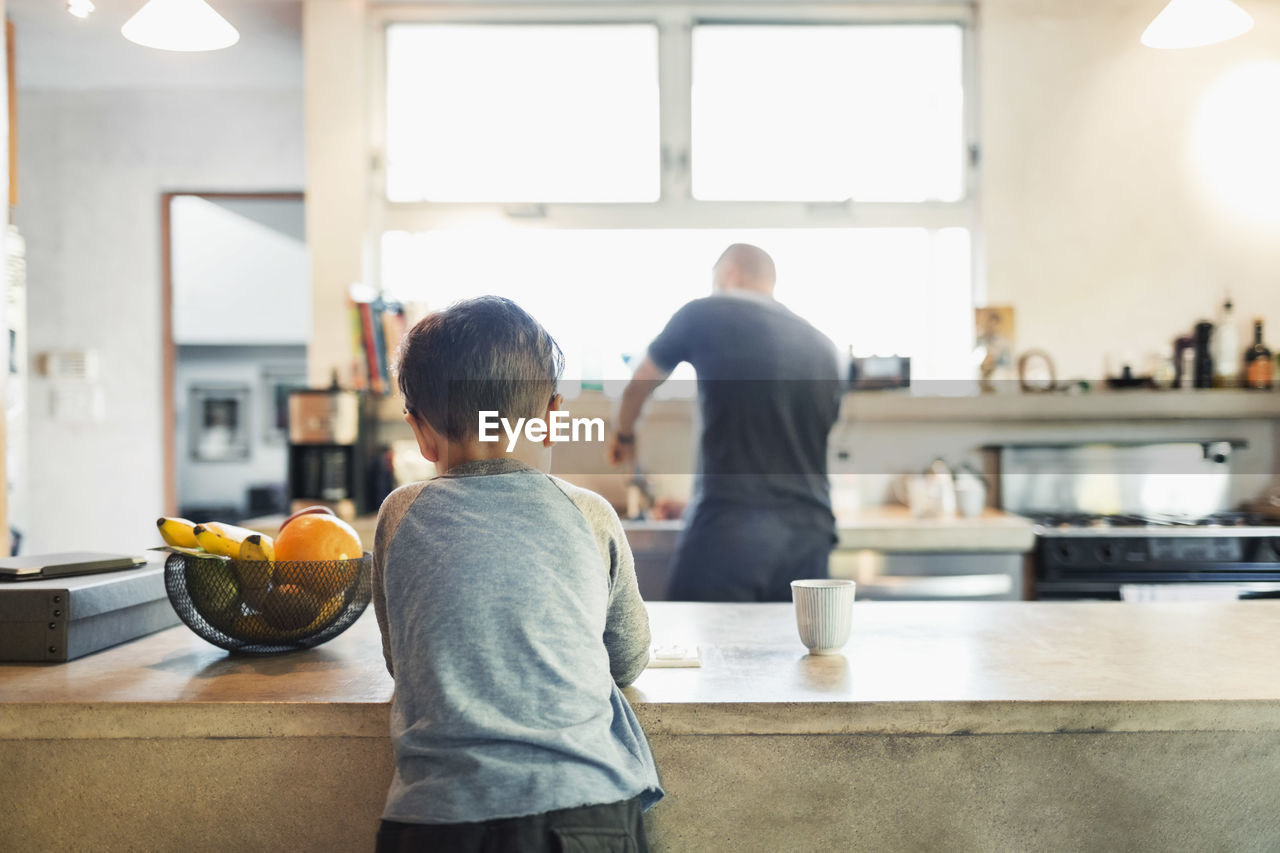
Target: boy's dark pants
x,y
609,828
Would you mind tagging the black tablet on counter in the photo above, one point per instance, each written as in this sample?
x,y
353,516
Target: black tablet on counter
x,y
45,566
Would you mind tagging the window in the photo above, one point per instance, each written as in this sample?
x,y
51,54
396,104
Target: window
x,y
828,113
594,172
522,113
604,294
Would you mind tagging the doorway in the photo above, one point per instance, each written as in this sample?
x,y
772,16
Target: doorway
x,y
237,309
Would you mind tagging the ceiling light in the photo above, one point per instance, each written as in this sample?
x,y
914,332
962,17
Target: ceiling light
x,y
186,25
80,8
1192,23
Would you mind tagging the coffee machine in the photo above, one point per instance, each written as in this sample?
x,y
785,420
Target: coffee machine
x,y
327,452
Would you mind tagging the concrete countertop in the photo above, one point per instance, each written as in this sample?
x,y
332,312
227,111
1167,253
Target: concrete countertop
x,y
909,668
893,528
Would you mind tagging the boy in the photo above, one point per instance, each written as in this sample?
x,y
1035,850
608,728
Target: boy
x,y
509,613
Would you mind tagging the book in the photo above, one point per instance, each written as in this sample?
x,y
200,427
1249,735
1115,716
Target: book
x,y
379,376
359,373
392,332
370,347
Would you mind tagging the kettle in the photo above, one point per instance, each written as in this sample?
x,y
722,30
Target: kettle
x,y
971,491
941,488
931,494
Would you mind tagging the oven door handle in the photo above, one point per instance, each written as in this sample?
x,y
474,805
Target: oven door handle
x,y
918,587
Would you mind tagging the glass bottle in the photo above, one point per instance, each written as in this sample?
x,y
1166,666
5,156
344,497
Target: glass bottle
x,y
1259,369
1226,343
1203,355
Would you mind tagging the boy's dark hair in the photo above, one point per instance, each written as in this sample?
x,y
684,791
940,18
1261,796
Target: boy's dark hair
x,y
484,354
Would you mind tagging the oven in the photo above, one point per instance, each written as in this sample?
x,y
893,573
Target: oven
x,y
1235,556
1139,521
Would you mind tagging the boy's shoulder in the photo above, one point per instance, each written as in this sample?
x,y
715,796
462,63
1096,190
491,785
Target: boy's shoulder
x,y
598,511
394,507
400,499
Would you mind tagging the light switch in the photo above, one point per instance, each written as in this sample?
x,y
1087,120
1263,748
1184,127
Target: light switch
x,y
79,364
77,402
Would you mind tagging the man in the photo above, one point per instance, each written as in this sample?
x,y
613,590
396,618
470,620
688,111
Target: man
x,y
769,393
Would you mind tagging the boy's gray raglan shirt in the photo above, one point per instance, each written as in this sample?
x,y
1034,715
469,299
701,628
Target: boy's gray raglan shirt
x,y
509,613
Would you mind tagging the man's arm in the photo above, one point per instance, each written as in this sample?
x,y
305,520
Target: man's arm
x,y
648,376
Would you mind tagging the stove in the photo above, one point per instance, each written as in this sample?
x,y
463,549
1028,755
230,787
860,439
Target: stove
x,y
1081,555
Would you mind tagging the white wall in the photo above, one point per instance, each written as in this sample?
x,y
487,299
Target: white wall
x,y
93,166
241,272
1102,224
4,319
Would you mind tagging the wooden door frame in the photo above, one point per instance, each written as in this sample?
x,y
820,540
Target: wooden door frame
x,y
169,349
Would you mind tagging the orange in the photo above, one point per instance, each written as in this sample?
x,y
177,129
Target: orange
x,y
318,537
314,538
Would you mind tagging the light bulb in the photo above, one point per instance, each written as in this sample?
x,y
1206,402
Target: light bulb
x,y
1193,23
185,25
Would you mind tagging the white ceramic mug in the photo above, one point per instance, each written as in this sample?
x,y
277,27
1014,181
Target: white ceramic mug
x,y
824,613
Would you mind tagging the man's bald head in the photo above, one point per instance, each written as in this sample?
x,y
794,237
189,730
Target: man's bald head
x,y
744,267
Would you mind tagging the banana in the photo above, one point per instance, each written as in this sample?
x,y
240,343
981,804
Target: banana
x,y
254,568
258,547
221,539
178,532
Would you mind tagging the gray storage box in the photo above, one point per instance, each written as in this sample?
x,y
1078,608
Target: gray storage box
x,y
66,618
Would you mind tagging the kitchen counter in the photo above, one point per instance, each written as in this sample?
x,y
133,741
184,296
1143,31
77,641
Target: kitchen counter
x,y
920,405
976,726
893,528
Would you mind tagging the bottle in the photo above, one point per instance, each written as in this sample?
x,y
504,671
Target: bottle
x,y
1203,355
1187,377
1226,345
1258,366
1184,358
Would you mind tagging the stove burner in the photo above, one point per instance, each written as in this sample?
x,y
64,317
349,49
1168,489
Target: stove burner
x,y
1104,521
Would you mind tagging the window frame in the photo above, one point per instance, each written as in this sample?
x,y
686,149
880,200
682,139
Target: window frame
x,y
676,207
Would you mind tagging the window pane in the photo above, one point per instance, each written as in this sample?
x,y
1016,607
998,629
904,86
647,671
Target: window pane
x,y
516,113
604,294
828,113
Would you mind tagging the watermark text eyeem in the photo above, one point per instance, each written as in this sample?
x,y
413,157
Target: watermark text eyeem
x,y
560,427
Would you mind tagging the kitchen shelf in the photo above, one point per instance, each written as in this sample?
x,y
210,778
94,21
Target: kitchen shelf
x,y
1215,405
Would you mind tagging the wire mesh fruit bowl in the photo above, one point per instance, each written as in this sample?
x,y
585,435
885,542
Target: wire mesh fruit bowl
x,y
262,608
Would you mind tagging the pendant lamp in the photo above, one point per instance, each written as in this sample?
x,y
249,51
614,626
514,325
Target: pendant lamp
x,y
185,25
1193,23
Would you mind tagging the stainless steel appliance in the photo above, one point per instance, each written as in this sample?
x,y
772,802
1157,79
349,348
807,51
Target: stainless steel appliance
x,y
1114,519
326,451
1083,556
879,373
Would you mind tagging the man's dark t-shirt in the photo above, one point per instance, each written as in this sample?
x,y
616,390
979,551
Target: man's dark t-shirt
x,y
769,393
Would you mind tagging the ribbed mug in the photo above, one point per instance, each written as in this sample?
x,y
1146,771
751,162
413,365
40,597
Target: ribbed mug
x,y
824,613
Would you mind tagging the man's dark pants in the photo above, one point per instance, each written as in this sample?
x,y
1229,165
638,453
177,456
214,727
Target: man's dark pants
x,y
731,552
